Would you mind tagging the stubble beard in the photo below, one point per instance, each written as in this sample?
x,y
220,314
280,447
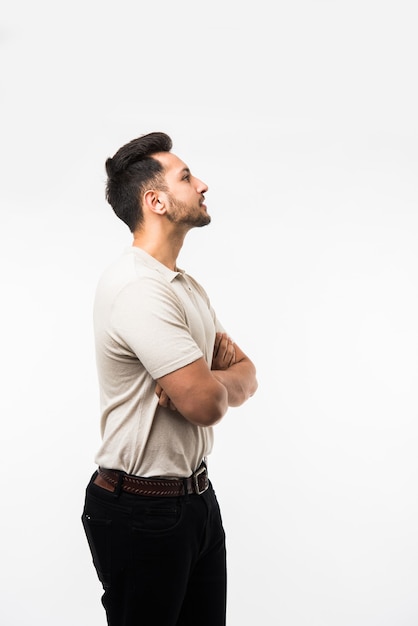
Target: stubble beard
x,y
180,214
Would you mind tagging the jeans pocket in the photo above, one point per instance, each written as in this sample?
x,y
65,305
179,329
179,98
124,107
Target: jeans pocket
x,y
99,540
158,517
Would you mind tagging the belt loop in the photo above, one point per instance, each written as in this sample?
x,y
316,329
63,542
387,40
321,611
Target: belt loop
x,y
118,487
186,489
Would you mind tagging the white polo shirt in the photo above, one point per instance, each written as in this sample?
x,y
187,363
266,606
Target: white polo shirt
x,y
148,321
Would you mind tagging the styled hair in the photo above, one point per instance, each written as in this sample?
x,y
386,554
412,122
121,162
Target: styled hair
x,y
131,171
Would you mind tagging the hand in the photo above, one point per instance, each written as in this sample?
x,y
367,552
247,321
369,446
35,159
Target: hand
x,y
223,352
164,400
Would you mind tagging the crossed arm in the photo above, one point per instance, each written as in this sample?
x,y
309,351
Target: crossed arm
x,y
203,395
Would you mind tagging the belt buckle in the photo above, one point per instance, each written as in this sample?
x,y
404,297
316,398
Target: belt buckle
x,y
196,475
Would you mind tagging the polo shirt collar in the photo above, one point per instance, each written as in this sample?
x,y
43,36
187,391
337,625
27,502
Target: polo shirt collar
x,y
152,262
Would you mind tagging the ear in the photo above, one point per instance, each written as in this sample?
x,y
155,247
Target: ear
x,y
154,200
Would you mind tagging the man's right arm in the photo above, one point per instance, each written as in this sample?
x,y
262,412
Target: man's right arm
x,y
234,370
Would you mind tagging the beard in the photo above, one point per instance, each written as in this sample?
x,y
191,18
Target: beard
x,y
182,213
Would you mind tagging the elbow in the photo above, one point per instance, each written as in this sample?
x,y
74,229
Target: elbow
x,y
208,411
206,419
208,416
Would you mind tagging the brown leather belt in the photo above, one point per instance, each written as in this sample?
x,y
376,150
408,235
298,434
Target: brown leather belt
x,y
111,480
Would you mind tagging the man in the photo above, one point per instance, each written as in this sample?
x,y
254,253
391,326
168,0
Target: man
x,y
167,372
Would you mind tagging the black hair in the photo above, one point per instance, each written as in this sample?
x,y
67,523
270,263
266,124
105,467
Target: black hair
x,y
131,171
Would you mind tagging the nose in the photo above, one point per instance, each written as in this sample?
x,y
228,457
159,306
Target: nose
x,y
201,187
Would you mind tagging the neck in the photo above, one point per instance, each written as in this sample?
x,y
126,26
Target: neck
x,y
165,250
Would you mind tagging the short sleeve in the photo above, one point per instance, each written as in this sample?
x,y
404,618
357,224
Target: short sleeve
x,y
149,320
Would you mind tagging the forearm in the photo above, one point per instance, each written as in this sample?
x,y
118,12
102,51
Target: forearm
x,y
239,380
203,396
195,393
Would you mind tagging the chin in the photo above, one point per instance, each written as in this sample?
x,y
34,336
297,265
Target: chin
x,y
206,221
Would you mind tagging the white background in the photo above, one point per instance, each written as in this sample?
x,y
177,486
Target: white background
x,y
302,118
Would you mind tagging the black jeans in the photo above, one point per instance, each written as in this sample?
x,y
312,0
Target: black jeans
x,y
161,560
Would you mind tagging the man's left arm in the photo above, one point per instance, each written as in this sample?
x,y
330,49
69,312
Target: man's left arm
x,y
233,369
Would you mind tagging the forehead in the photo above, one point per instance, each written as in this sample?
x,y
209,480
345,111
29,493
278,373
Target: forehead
x,y
171,163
